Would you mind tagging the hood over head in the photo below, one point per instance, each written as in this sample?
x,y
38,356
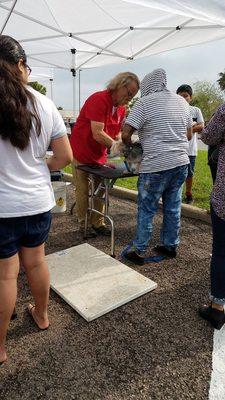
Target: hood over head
x,y
153,82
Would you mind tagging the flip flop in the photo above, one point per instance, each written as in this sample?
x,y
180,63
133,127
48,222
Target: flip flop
x,y
30,312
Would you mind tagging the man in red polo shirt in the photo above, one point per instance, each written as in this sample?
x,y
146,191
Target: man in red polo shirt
x,y
96,130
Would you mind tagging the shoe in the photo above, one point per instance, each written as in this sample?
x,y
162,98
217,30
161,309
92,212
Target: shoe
x,y
102,230
214,316
134,258
188,199
90,233
164,251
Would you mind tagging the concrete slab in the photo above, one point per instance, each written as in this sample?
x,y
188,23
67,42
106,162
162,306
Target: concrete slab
x,y
92,282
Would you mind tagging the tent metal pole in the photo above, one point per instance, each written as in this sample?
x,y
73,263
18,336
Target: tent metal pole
x,y
106,47
74,94
89,59
51,88
8,16
50,64
79,90
65,51
73,71
66,34
165,36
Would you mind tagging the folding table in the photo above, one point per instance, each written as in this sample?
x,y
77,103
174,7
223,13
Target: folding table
x,y
108,177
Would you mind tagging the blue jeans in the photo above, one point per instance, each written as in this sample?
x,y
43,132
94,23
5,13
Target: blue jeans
x,y
218,260
151,187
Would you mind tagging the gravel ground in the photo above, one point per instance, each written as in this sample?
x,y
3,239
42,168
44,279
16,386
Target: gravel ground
x,y
155,347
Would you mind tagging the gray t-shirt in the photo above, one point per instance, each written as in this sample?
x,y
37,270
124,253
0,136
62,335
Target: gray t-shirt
x,y
161,119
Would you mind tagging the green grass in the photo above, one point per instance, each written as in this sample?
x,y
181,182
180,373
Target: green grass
x,y
201,187
68,169
202,182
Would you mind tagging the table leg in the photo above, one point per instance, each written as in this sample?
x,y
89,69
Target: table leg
x,y
91,209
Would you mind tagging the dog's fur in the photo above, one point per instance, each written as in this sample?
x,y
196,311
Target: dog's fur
x,y
133,156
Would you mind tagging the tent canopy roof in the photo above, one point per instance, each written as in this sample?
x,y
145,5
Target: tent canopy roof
x,y
102,32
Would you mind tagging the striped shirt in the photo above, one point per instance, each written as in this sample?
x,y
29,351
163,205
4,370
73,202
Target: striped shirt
x,y
161,119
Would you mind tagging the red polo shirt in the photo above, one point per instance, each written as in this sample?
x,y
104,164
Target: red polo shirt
x,y
98,107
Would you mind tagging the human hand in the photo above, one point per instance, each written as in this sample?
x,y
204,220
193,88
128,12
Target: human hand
x,y
117,148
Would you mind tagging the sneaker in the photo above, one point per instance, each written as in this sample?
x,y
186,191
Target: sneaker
x,y
164,251
102,230
188,199
214,316
134,258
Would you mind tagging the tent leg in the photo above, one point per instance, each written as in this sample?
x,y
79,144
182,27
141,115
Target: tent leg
x,y
8,16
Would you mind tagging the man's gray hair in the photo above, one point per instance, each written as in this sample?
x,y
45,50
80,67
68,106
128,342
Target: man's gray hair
x,y
122,79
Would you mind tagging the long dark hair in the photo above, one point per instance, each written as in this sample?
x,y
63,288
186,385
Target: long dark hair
x,y
15,117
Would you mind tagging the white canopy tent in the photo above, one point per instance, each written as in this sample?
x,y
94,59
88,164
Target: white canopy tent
x,y
75,34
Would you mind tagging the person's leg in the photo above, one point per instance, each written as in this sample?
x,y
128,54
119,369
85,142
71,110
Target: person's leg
x,y
81,183
9,269
97,221
171,198
150,189
33,260
218,260
189,180
214,313
213,169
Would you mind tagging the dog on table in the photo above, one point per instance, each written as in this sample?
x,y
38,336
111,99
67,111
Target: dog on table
x,y
132,155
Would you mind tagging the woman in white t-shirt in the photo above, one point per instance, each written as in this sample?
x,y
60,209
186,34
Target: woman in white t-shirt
x,y
29,123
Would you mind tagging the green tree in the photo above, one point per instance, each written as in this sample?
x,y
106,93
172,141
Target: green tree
x,y
37,86
208,97
221,80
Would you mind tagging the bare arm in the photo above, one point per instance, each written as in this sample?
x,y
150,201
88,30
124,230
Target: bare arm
x,y
99,134
62,153
119,136
198,127
127,132
189,133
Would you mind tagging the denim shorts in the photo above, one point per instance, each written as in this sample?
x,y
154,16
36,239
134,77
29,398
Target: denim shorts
x,y
191,166
17,232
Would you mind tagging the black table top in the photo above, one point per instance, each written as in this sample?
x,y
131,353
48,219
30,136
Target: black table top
x,y
105,171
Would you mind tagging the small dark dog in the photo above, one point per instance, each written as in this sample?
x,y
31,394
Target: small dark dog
x,y
133,156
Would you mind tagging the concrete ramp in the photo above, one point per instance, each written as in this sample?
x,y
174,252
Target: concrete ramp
x,y
92,282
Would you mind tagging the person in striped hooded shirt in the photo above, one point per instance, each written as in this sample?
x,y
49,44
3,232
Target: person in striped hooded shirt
x,y
164,126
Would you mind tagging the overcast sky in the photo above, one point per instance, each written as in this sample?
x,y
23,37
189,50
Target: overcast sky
x,y
188,65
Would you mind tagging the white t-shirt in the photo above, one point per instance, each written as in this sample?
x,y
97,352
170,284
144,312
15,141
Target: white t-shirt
x,y
193,143
25,184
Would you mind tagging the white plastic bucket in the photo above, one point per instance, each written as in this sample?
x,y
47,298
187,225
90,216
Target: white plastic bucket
x,y
59,189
